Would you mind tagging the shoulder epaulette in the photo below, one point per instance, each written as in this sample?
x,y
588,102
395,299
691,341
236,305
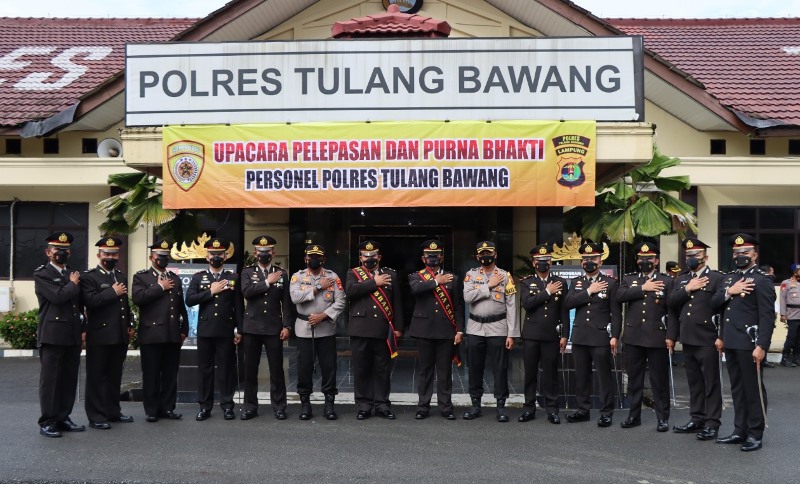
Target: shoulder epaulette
x,y
143,271
40,268
90,270
631,273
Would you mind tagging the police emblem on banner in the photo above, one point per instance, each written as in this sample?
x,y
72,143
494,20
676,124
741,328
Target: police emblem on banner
x,y
571,150
185,160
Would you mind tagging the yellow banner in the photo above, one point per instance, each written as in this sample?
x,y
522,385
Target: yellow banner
x,y
387,164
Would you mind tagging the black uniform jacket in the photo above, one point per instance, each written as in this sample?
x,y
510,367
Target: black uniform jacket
x,y
543,312
429,320
60,307
646,312
162,314
593,313
692,321
108,316
268,309
754,309
366,318
220,314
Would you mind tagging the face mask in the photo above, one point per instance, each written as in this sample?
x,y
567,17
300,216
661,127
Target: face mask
x,y
371,263
162,261
590,266
61,256
109,264
486,260
432,261
542,266
216,262
693,263
265,258
742,261
314,263
646,266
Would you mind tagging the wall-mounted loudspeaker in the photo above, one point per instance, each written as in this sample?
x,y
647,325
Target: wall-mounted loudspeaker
x,y
109,148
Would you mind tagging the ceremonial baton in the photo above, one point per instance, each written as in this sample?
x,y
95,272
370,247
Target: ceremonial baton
x,y
614,358
560,329
313,350
715,319
671,375
752,331
238,381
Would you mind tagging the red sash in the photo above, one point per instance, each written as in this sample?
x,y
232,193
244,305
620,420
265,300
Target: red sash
x,y
382,300
446,303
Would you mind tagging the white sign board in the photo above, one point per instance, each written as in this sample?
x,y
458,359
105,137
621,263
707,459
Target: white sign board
x,y
586,78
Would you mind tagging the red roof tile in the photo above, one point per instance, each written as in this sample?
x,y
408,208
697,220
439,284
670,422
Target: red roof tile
x,y
391,23
47,64
750,65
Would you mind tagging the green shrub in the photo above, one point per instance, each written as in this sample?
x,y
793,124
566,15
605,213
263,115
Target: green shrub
x,y
19,329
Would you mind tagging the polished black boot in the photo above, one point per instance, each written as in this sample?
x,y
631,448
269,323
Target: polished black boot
x,y
305,407
475,411
328,412
786,359
501,411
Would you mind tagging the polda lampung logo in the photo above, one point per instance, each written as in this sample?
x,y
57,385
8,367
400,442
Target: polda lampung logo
x,y
185,160
571,150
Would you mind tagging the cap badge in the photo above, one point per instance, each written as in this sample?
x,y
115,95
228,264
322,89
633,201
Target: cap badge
x,y
63,238
369,246
645,248
739,241
433,246
110,243
164,245
588,249
542,250
689,244
215,244
315,248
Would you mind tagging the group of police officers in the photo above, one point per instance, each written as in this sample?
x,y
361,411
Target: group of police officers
x,y
712,314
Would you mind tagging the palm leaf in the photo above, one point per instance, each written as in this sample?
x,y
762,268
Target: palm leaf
x,y
183,227
649,219
619,227
594,226
126,181
672,183
150,212
681,212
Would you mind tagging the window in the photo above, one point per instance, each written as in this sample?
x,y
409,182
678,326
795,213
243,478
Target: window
x,y
33,222
718,147
794,147
776,228
758,147
89,146
14,146
50,146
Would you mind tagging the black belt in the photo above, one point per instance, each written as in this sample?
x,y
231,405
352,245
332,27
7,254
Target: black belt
x,y
488,319
302,316
793,305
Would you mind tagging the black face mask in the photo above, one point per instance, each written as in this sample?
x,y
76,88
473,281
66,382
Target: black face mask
x,y
693,263
742,261
61,256
646,266
433,261
265,258
109,264
216,262
590,267
486,260
542,266
162,261
314,263
371,263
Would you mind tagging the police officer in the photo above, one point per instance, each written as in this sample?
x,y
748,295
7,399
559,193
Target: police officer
x,y
58,336
108,328
694,323
542,296
437,326
267,321
491,328
645,293
163,326
594,298
376,320
673,269
218,322
318,295
790,314
747,299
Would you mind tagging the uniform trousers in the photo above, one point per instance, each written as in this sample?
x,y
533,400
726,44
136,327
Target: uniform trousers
x,y
58,380
656,362
478,348
435,357
702,373
219,352
324,349
748,420
584,356
104,365
160,363
253,344
545,354
792,343
371,373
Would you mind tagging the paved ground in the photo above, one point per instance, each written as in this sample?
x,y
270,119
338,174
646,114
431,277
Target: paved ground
x,y
405,450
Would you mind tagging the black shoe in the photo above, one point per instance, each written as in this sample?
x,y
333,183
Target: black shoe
x,y
363,415
280,414
604,421
629,423
170,415
731,439
421,415
553,418
785,362
501,411
248,414
449,415
305,412
203,414
388,414
662,426
472,413
769,364
577,417
751,444
123,419
227,414
526,416
99,425
689,428
707,434
328,411
50,431
68,425
151,418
